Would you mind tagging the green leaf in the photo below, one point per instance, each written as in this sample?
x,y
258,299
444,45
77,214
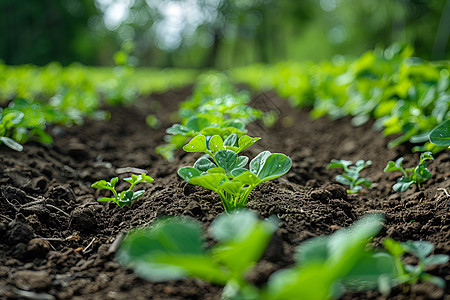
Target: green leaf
x,y
394,247
394,166
342,179
402,184
215,143
425,156
177,129
339,163
435,280
364,181
247,177
226,159
232,187
114,181
197,144
230,140
245,141
209,181
436,259
240,162
274,166
187,173
258,162
421,249
197,123
247,245
440,135
105,199
203,164
11,143
101,184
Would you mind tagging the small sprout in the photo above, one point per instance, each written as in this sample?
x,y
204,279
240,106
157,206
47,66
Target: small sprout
x,y
124,197
350,176
222,170
413,273
418,174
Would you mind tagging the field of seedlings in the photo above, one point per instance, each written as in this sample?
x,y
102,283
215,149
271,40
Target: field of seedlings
x,y
284,181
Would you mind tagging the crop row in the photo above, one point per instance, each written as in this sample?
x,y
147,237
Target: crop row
x,y
326,267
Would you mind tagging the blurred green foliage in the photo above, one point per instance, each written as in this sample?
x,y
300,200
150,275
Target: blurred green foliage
x,y
217,33
406,95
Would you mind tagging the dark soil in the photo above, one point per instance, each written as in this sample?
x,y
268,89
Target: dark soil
x,y
58,242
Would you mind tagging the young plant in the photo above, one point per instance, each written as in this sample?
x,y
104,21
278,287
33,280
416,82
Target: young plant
x,y
124,197
413,273
417,175
222,170
325,266
350,176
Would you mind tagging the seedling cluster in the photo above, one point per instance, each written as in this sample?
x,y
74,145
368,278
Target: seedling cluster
x,y
222,170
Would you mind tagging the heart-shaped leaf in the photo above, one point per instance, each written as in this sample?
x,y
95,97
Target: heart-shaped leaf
x,y
203,164
225,159
197,144
215,143
245,141
209,181
274,166
230,140
187,173
258,162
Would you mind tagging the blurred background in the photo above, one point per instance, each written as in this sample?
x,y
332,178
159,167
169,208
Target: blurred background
x,y
216,33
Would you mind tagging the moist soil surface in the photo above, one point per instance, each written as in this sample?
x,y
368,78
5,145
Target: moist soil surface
x,y
58,242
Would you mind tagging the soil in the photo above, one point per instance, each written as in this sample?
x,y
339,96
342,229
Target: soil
x,y
58,242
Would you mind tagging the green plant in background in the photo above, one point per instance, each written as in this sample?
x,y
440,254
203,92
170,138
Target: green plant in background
x,y
127,196
417,175
215,108
222,170
350,176
440,135
411,274
406,95
325,268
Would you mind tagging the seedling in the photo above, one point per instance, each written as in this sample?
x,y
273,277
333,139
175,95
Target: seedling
x,y
417,175
325,266
413,273
124,197
222,170
350,176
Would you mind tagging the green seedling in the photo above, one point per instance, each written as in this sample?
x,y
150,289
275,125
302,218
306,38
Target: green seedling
x,y
417,175
124,197
222,170
413,273
325,266
350,176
